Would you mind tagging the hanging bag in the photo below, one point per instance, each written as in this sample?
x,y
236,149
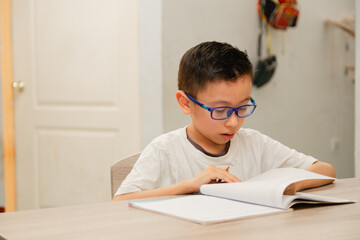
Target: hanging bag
x,y
265,67
280,14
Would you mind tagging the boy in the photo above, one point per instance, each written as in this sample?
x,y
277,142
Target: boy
x,y
214,81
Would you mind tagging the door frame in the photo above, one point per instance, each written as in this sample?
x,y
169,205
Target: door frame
x,y
7,106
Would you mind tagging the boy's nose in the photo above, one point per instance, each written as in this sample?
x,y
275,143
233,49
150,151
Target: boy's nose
x,y
232,121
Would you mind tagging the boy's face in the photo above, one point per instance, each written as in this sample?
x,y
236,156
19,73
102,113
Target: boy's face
x,y
212,134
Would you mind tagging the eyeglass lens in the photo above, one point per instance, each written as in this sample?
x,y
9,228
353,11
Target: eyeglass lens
x,y
225,112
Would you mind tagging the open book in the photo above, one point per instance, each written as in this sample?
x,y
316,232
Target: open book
x,y
261,195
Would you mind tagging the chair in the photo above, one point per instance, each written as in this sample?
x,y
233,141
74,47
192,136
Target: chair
x,y
120,169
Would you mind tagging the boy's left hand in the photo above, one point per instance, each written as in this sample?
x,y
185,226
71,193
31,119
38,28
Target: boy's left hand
x,y
317,167
291,189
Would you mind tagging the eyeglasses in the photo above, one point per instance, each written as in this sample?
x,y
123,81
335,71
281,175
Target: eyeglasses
x,y
221,113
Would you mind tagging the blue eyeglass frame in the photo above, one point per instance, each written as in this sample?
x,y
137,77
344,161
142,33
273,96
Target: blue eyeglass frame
x,y
228,113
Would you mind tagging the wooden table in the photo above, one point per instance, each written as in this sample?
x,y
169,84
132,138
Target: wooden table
x,y
115,220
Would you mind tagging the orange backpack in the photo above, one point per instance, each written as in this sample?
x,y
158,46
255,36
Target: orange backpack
x,y
279,14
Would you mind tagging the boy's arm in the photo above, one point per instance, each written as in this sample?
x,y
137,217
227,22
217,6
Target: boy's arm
x,y
317,167
209,175
175,189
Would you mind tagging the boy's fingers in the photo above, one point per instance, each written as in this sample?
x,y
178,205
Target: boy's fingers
x,y
228,177
221,174
231,176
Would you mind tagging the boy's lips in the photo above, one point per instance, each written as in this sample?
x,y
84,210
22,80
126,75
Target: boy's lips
x,y
227,136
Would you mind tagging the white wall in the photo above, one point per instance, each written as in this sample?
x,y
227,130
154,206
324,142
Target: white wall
x,y
309,104
150,66
357,94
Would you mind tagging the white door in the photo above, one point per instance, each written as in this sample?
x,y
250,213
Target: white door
x,y
79,110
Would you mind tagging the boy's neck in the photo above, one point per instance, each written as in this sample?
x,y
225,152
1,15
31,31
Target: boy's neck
x,y
213,150
200,148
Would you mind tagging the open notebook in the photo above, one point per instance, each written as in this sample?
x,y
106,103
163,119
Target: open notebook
x,y
261,195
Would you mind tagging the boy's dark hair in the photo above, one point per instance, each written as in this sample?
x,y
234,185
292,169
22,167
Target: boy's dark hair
x,y
209,62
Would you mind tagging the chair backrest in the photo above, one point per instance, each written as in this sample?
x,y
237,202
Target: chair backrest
x,y
120,169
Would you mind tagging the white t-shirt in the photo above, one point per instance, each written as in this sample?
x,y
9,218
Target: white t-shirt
x,y
171,158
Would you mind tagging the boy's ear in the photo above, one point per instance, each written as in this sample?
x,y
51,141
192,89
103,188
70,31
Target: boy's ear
x,y
183,101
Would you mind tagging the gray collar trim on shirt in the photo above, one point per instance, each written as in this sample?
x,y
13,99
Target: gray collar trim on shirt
x,y
201,149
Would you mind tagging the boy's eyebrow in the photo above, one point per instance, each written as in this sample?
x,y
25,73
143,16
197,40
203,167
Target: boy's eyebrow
x,y
228,103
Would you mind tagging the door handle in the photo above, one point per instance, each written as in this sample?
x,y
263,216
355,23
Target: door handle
x,y
18,86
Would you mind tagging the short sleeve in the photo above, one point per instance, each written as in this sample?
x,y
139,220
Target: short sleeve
x,y
145,174
277,155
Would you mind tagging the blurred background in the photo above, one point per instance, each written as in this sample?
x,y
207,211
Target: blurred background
x,y
96,81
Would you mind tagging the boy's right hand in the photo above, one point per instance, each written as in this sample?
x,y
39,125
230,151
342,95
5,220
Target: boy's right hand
x,y
210,175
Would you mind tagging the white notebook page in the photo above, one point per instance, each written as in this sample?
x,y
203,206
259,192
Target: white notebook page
x,y
205,209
